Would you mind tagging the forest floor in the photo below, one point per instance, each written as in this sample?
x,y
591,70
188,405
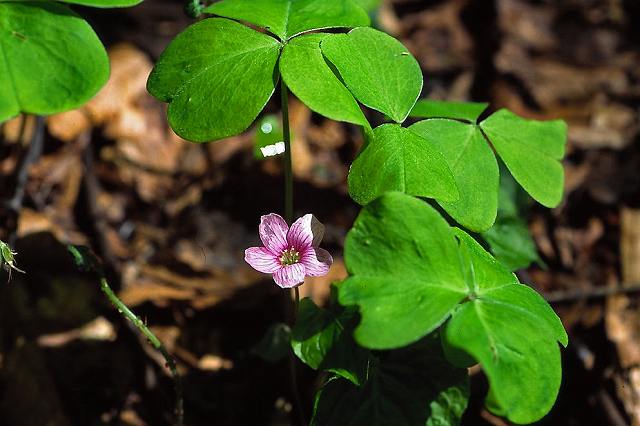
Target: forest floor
x,y
171,219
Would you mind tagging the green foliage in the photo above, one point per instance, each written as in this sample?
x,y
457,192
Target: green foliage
x,y
288,18
469,111
511,243
509,238
405,273
322,339
92,3
368,5
104,3
531,150
512,332
411,272
377,69
50,59
310,78
407,387
396,159
473,165
217,75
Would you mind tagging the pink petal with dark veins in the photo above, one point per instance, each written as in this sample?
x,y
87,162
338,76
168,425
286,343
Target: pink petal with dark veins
x,y
273,233
262,260
305,232
316,262
290,275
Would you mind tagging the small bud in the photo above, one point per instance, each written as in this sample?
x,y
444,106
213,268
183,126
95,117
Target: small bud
x,y
7,259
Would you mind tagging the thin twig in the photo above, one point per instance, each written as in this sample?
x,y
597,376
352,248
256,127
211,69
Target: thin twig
x,y
153,341
86,260
564,296
33,154
608,404
92,190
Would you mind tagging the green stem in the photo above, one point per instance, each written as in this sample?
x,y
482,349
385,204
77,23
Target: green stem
x,y
296,301
153,341
86,260
288,166
288,214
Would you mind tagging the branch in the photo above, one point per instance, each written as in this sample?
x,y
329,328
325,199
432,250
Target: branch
x,y
33,154
87,261
564,296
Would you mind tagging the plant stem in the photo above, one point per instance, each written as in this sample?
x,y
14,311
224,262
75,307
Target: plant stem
x,y
288,214
296,301
86,260
153,341
288,167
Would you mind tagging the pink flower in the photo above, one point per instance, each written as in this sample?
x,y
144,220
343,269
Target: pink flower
x,y
290,254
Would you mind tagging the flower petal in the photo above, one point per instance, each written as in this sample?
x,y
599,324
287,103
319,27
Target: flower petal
x,y
305,232
262,260
273,233
290,275
316,262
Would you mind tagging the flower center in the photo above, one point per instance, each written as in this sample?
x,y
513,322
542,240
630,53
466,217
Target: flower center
x,y
289,257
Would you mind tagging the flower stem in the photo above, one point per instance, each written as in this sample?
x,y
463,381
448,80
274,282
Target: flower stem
x,y
288,214
288,167
86,260
296,301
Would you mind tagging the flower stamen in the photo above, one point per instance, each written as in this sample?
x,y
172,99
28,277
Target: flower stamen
x,y
289,257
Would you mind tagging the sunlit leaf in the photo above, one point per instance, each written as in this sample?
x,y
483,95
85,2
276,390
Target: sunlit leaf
x,y
377,68
50,59
309,77
397,159
410,272
104,3
532,151
217,75
404,271
287,18
469,111
474,167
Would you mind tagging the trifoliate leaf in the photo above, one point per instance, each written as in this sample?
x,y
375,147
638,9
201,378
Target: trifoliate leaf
x,y
287,18
410,272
